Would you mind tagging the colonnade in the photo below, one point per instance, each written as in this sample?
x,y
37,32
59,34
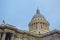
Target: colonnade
x,y
3,36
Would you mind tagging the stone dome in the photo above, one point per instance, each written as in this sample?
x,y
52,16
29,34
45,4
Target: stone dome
x,y
38,15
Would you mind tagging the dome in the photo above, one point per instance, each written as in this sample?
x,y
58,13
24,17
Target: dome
x,y
38,15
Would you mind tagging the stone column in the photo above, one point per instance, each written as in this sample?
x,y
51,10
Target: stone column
x,y
4,36
0,36
12,37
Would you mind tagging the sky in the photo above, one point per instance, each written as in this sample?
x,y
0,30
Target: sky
x,y
20,12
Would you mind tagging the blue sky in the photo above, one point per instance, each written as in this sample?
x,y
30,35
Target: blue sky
x,y
20,12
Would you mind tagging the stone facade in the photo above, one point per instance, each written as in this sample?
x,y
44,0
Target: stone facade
x,y
38,30
38,24
8,32
53,35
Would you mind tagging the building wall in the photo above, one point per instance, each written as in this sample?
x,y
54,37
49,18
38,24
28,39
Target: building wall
x,y
52,37
27,37
18,36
